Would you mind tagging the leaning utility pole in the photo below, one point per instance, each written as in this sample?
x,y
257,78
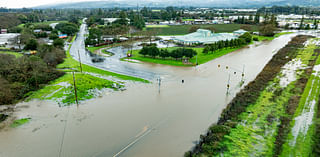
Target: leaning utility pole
x,y
75,89
159,79
80,61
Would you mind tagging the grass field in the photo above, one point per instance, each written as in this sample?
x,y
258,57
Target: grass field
x,y
157,26
184,29
62,91
201,57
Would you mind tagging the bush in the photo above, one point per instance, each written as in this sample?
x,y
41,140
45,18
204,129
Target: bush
x,y
255,39
31,45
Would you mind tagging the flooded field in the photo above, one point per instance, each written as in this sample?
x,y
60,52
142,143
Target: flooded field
x,y
139,121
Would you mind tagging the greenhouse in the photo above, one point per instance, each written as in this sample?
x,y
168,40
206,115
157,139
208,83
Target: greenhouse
x,y
203,36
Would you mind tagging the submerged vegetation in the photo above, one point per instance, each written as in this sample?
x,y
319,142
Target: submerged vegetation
x,y
88,83
253,122
20,122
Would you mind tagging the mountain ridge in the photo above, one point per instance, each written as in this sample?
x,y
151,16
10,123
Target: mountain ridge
x,y
182,3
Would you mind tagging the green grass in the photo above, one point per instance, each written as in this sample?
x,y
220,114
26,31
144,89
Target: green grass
x,y
157,26
86,84
201,57
20,122
12,53
303,144
184,29
255,133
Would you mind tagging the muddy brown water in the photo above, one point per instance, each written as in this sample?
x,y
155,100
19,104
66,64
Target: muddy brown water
x,y
139,121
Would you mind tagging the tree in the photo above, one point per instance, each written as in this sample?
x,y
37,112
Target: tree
x,y
67,28
58,43
315,23
247,37
138,22
6,94
257,18
189,53
206,49
31,45
144,51
53,36
267,30
122,19
164,53
153,51
301,23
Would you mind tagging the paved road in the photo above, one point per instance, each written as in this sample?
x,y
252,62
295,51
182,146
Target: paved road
x,y
113,63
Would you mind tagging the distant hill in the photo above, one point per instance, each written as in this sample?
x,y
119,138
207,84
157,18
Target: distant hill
x,y
180,3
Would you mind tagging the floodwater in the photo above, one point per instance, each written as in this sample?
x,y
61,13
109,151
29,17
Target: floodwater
x,y
139,121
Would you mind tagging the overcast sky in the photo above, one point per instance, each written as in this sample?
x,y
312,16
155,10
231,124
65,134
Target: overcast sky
x,y
31,3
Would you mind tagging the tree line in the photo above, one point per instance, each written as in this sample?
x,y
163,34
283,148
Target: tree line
x,y
19,76
242,40
179,53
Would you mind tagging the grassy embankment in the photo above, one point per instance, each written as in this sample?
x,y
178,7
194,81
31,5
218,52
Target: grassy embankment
x,y
202,58
249,124
257,132
300,140
92,79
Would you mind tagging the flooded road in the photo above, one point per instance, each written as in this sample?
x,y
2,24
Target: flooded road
x,y
139,121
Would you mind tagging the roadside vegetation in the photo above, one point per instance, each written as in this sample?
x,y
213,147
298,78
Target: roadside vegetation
x,y
251,122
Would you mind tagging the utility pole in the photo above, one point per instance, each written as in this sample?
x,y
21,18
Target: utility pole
x,y
80,61
228,85
159,80
75,89
196,60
